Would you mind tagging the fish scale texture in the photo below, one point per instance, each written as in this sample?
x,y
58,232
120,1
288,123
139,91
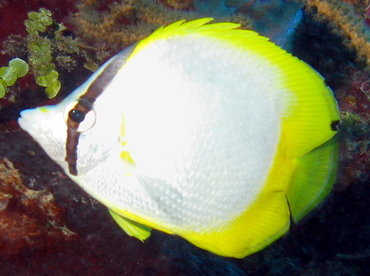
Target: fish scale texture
x,y
197,156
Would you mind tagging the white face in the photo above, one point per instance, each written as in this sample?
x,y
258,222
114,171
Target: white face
x,y
47,126
97,133
85,140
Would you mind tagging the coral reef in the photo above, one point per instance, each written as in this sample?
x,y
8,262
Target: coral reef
x,y
347,19
354,101
28,219
116,24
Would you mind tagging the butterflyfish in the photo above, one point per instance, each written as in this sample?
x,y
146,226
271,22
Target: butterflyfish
x,y
201,130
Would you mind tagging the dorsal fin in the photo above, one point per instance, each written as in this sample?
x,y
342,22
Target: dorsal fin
x,y
195,27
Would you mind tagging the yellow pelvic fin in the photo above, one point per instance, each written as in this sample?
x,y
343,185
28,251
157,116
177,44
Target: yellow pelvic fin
x,y
132,228
141,221
313,179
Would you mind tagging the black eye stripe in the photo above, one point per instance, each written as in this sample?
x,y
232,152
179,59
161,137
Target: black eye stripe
x,y
73,135
77,114
85,104
71,150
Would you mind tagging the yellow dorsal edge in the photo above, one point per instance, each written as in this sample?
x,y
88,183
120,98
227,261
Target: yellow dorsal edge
x,y
181,28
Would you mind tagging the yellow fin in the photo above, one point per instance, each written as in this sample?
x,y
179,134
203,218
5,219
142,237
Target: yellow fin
x,y
132,228
312,115
260,225
313,179
181,27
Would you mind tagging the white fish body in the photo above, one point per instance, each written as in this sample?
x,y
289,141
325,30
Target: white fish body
x,y
196,134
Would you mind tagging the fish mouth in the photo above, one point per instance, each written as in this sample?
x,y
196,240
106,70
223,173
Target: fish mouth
x,y
32,121
24,120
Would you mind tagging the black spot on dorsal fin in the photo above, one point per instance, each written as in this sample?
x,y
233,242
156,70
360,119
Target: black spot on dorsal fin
x,y
335,125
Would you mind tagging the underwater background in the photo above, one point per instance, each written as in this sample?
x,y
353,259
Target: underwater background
x,y
48,225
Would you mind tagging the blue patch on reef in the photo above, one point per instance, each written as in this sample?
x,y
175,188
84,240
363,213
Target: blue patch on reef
x,y
275,19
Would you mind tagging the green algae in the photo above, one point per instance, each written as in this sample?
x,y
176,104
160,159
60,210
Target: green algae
x,y
40,51
8,75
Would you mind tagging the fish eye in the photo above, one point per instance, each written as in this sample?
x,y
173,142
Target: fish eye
x,y
76,115
79,116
